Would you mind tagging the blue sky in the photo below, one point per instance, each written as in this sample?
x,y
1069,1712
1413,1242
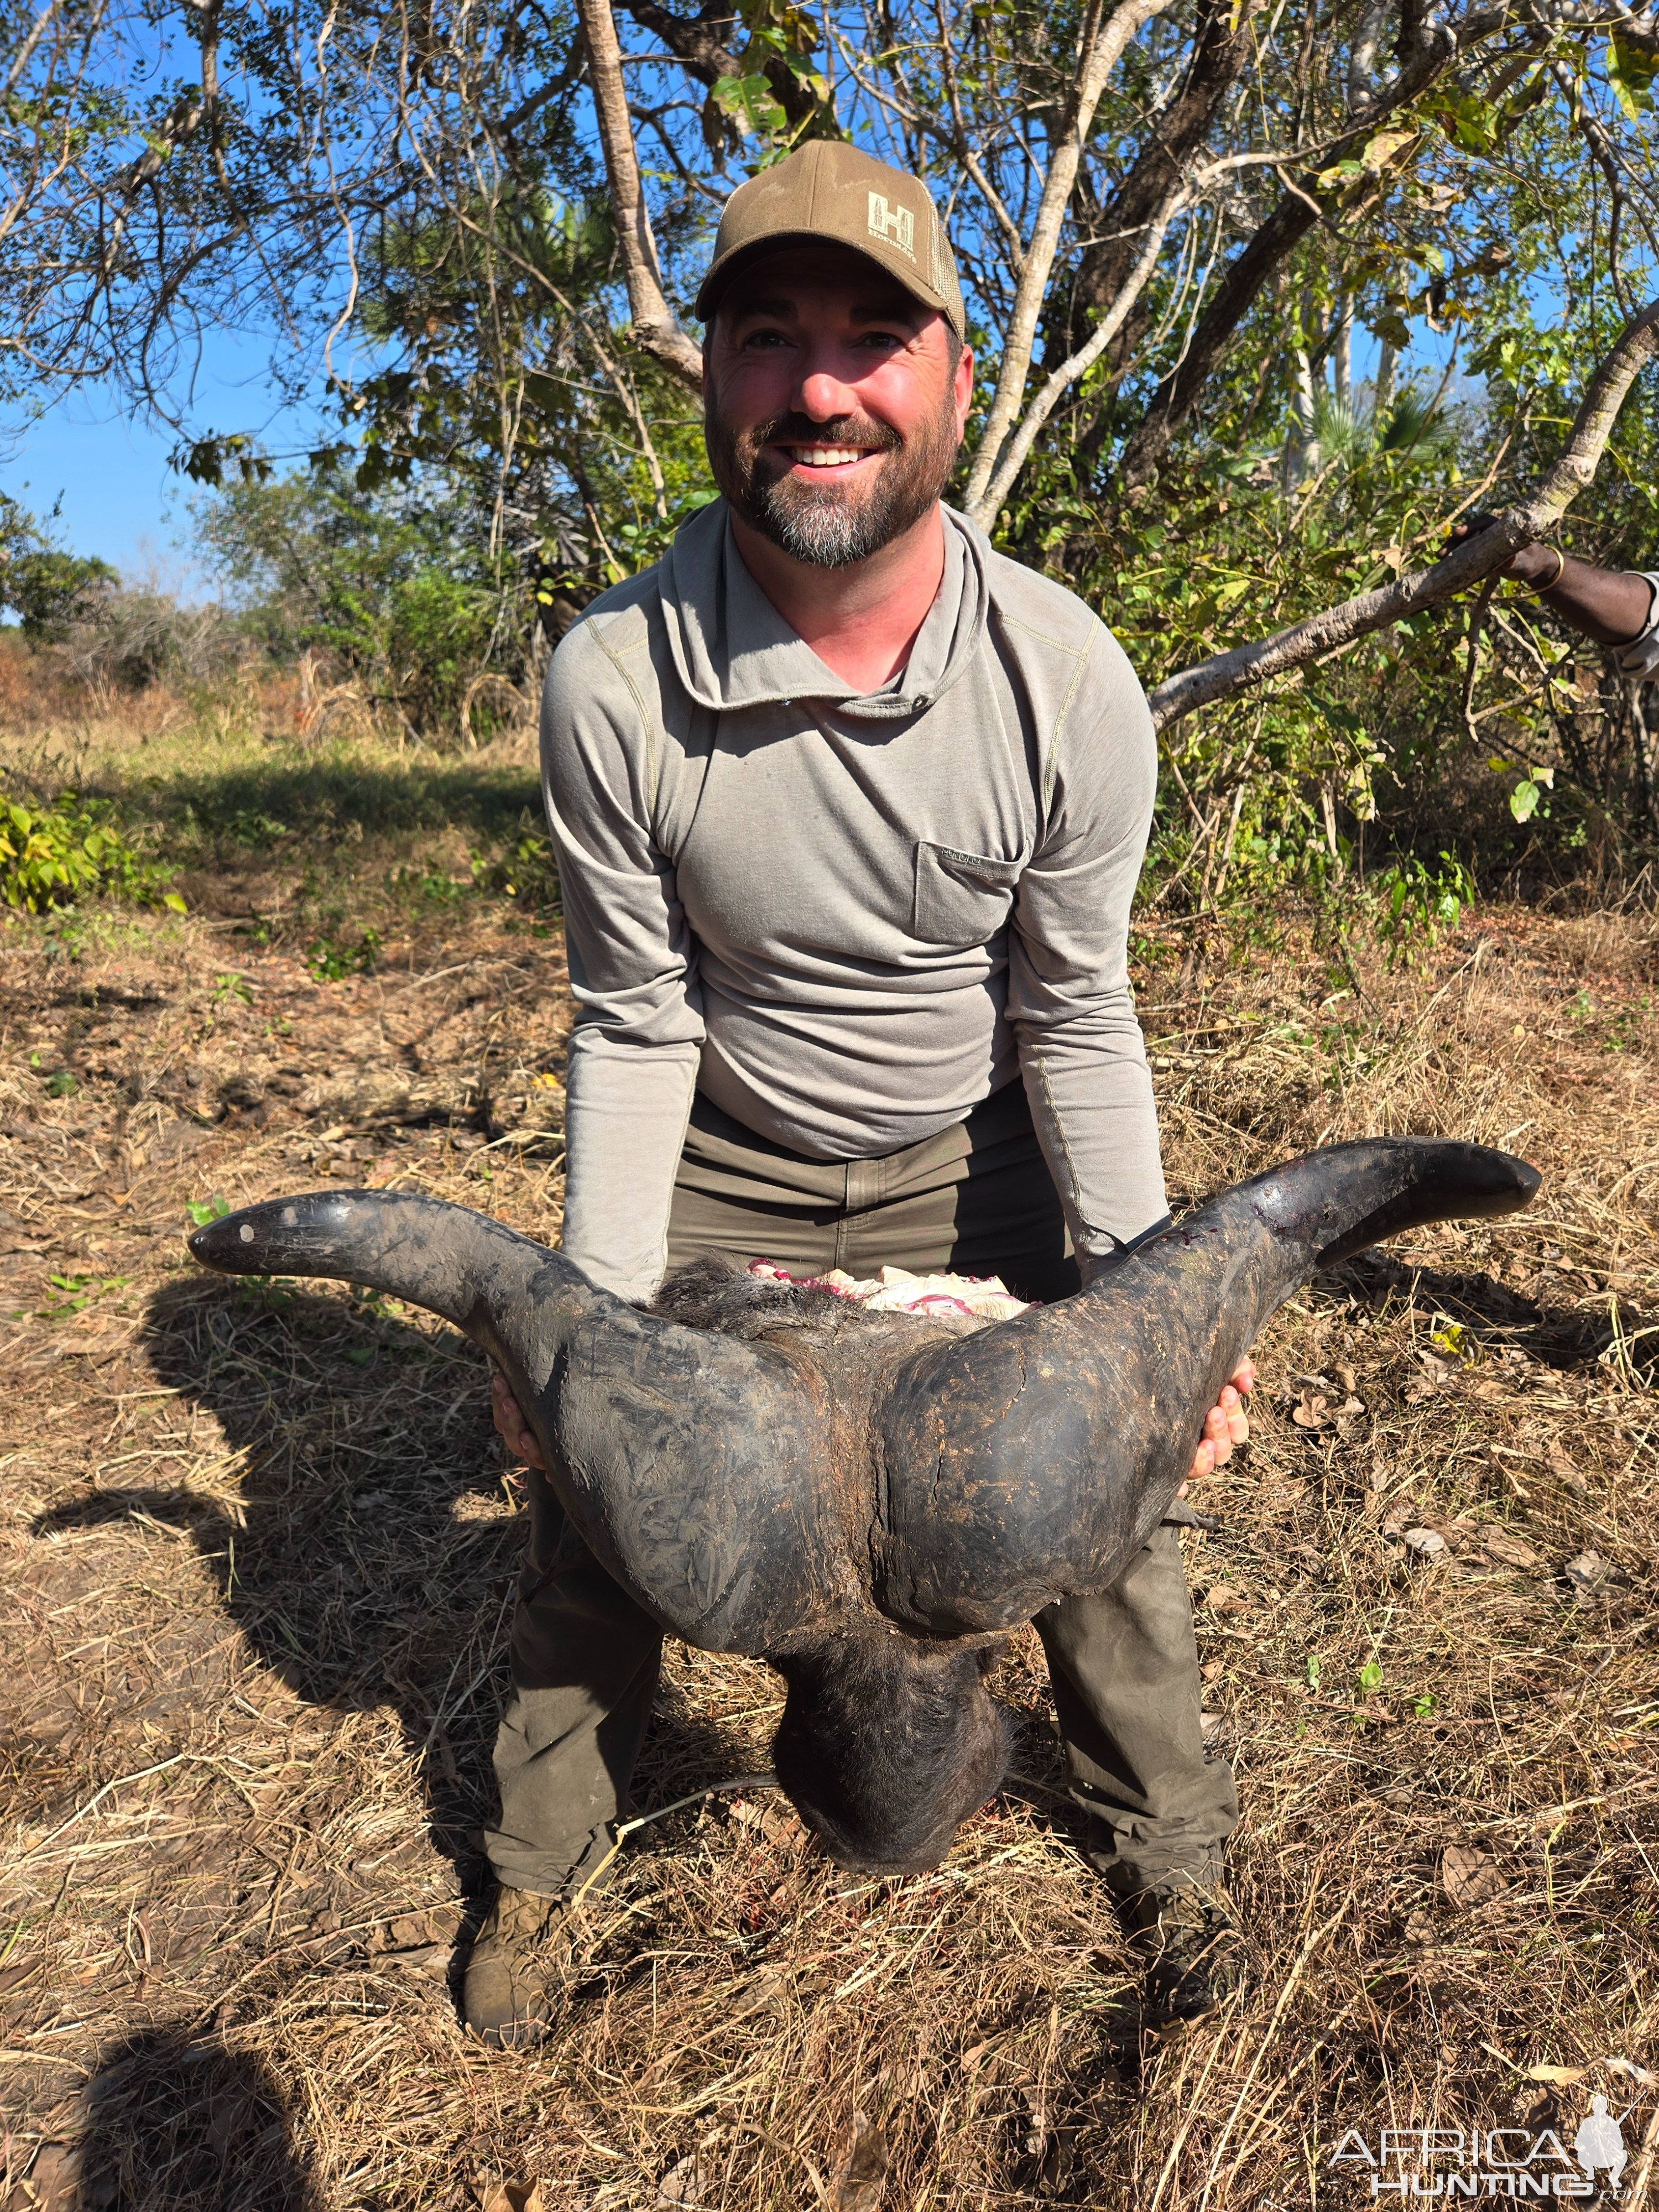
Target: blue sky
x,y
121,500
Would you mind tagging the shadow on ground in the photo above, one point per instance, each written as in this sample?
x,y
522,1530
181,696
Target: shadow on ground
x,y
177,2124
1556,1336
260,804
371,1559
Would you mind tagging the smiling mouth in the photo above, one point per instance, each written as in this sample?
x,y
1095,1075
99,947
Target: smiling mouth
x,y
827,457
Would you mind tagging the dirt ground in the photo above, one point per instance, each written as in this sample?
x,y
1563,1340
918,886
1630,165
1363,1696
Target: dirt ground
x,y
258,1541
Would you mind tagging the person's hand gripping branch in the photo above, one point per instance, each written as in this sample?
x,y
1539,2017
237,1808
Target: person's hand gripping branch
x,y
1612,606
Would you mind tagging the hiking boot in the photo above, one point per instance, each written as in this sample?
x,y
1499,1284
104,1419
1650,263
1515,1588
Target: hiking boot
x,y
509,1993
1194,1954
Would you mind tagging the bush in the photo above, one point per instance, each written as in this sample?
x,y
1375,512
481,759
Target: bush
x,y
134,638
527,871
54,855
437,636
391,592
1416,905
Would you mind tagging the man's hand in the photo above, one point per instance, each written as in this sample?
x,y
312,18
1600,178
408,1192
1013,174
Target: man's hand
x,y
1225,1424
511,1427
1608,604
1530,565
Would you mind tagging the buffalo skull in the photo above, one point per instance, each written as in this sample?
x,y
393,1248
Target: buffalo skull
x,y
872,1502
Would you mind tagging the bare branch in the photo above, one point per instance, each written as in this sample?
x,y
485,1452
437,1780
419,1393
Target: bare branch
x,y
1296,214
964,151
706,44
1225,39
1101,44
1048,398
1478,557
1077,364
654,326
181,122
25,54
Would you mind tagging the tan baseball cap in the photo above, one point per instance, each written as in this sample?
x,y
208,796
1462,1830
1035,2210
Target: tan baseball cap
x,y
832,194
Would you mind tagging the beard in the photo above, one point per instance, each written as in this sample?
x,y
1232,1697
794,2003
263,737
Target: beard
x,y
833,525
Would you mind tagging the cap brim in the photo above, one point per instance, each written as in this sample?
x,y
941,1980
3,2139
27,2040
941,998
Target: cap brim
x,y
731,265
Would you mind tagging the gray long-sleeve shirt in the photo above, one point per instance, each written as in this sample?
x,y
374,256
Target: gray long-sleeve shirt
x,y
846,918
1639,656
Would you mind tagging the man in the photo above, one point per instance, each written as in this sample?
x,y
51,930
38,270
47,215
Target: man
x,y
1616,608
849,812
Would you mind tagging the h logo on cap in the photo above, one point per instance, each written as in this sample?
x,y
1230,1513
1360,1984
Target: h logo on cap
x,y
895,224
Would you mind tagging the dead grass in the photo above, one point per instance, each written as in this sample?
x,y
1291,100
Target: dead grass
x,y
258,1543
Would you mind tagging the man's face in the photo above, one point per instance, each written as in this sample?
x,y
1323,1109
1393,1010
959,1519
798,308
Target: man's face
x,y
834,404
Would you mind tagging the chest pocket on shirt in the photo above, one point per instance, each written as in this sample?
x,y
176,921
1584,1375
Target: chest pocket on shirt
x,y
961,898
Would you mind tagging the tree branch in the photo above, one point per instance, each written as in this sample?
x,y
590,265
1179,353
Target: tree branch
x,y
25,54
1471,563
1224,40
1048,398
702,42
1100,47
654,326
1301,207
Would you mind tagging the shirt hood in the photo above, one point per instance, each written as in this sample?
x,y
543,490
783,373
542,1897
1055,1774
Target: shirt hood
x,y
732,648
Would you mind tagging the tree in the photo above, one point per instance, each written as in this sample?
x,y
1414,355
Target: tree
x,y
1022,114
1208,252
48,590
377,585
1371,169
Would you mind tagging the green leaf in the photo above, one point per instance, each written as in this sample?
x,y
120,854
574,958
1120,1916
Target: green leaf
x,y
1469,121
749,101
1524,800
204,1210
1632,65
1370,1675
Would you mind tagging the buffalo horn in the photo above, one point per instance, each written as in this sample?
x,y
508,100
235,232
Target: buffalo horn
x,y
685,1459
1031,1462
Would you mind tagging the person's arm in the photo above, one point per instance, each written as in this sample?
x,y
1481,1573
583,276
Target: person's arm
x,y
1080,1048
638,1039
1612,606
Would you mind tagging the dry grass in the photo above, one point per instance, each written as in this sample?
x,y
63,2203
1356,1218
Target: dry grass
x,y
258,1545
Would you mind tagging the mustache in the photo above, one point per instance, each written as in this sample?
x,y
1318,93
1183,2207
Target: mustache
x,y
792,429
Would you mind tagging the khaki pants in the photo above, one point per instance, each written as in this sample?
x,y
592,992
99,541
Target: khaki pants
x,y
977,1199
